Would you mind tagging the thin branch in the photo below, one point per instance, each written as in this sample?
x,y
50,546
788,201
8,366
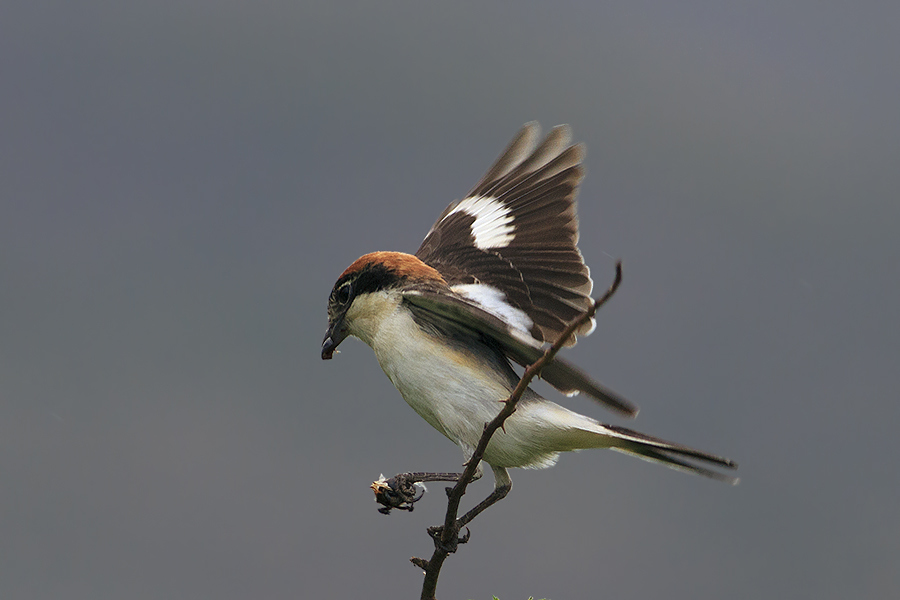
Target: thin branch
x,y
447,538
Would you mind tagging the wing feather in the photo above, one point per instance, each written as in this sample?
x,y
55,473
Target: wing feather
x,y
517,232
518,345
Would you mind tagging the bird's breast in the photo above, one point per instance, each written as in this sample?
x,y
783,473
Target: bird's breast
x,y
456,388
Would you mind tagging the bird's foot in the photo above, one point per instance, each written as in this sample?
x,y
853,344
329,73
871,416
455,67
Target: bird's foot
x,y
400,491
403,490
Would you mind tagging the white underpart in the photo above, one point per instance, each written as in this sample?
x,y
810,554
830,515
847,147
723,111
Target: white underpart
x,y
494,301
493,221
458,389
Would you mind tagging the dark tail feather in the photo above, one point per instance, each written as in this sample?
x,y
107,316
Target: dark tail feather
x,y
670,454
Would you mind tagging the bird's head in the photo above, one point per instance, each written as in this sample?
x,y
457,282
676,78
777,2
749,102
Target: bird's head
x,y
368,290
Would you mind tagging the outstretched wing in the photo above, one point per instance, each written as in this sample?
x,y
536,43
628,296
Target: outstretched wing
x,y
510,246
462,315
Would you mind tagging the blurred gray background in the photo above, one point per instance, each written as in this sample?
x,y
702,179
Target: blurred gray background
x,y
182,182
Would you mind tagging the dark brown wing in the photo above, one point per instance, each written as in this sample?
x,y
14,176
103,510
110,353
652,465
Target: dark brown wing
x,y
510,245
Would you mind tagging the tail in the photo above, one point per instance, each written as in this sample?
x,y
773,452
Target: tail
x,y
672,455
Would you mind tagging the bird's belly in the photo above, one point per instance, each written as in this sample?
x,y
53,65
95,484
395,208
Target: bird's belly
x,y
452,388
458,389
459,401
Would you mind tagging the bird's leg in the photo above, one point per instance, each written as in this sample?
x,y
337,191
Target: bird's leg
x,y
498,494
502,485
401,491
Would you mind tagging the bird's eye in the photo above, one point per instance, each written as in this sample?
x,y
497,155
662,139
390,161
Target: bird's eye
x,y
343,293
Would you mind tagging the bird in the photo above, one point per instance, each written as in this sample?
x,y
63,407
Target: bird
x,y
497,278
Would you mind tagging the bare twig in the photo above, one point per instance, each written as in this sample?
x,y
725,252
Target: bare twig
x,y
447,538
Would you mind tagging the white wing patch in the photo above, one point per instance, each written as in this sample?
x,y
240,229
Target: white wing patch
x,y
493,221
593,323
494,301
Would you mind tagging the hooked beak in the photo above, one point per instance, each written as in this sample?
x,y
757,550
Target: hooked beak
x,y
335,334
